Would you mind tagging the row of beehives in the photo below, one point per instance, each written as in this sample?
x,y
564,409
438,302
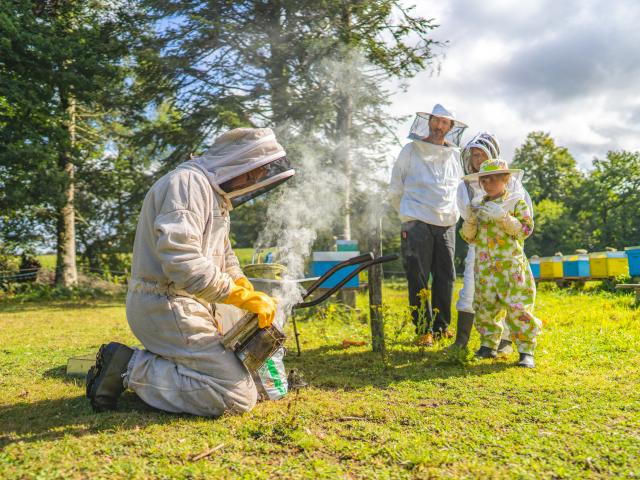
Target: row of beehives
x,y
588,265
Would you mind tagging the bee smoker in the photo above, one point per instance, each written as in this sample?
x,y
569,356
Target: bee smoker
x,y
254,345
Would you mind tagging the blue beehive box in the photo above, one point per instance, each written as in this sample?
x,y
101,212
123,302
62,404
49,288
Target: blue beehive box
x,y
633,257
534,263
323,261
576,265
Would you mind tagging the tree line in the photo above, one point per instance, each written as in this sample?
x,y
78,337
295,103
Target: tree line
x,y
575,209
100,98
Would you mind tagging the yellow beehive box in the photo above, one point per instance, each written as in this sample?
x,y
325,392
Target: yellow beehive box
x,y
551,267
608,264
617,264
598,264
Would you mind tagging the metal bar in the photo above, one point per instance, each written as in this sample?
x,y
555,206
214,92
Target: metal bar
x,y
19,276
347,263
331,291
295,333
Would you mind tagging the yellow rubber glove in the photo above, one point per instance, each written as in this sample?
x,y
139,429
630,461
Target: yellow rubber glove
x,y
244,283
256,302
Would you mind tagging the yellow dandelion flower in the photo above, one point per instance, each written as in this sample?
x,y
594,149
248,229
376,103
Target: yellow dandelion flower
x,y
424,294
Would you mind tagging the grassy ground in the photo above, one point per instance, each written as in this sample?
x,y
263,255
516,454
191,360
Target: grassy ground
x,y
418,414
47,261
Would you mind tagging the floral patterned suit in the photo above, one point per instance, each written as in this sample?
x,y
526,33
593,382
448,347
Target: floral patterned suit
x,y
503,278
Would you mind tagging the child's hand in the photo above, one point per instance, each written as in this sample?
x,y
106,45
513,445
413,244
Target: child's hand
x,y
492,211
471,214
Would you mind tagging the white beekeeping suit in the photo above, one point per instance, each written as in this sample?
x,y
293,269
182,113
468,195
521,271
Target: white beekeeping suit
x,y
425,176
183,265
430,165
422,189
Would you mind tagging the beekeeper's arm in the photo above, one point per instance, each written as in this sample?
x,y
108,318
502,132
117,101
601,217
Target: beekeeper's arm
x,y
179,248
520,223
517,223
462,199
527,200
232,267
398,176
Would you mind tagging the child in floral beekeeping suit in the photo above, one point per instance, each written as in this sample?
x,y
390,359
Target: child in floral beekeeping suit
x,y
482,147
498,227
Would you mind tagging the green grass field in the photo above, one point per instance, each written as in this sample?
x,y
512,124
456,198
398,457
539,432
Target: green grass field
x,y
47,261
416,414
244,256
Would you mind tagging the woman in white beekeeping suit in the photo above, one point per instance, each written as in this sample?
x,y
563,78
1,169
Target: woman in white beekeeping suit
x,y
483,146
186,280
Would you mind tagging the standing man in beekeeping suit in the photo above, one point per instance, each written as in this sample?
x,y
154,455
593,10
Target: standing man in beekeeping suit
x,y
484,146
423,191
184,277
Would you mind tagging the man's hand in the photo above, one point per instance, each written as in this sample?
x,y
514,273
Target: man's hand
x,y
256,302
492,211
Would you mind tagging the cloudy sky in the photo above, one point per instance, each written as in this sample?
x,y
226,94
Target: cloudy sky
x,y
570,67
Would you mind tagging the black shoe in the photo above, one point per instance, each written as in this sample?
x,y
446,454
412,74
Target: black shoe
x,y
486,352
526,361
105,378
505,347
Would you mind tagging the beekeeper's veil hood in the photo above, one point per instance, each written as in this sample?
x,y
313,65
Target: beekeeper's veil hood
x,y
244,163
484,141
420,126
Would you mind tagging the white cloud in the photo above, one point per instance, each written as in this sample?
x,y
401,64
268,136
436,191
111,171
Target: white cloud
x,y
570,68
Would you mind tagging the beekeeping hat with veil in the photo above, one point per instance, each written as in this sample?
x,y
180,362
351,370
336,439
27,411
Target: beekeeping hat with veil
x,y
420,127
244,163
484,141
494,166
487,143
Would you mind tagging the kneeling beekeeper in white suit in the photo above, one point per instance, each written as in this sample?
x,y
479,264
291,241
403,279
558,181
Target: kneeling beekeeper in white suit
x,y
186,281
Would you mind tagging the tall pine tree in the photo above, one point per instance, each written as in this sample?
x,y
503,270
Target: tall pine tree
x,y
62,64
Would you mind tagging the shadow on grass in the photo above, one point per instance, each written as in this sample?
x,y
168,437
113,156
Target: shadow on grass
x,y
60,373
328,367
47,420
336,367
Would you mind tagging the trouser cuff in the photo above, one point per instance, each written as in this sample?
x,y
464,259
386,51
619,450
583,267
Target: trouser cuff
x,y
132,361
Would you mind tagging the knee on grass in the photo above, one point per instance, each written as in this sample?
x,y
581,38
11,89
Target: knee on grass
x,y
243,398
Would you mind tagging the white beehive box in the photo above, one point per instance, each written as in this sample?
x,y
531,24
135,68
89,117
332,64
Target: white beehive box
x,y
80,365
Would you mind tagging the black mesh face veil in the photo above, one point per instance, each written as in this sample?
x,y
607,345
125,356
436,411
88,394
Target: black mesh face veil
x,y
258,181
239,200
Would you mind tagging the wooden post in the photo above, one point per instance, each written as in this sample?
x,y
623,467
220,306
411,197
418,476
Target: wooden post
x,y
375,294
